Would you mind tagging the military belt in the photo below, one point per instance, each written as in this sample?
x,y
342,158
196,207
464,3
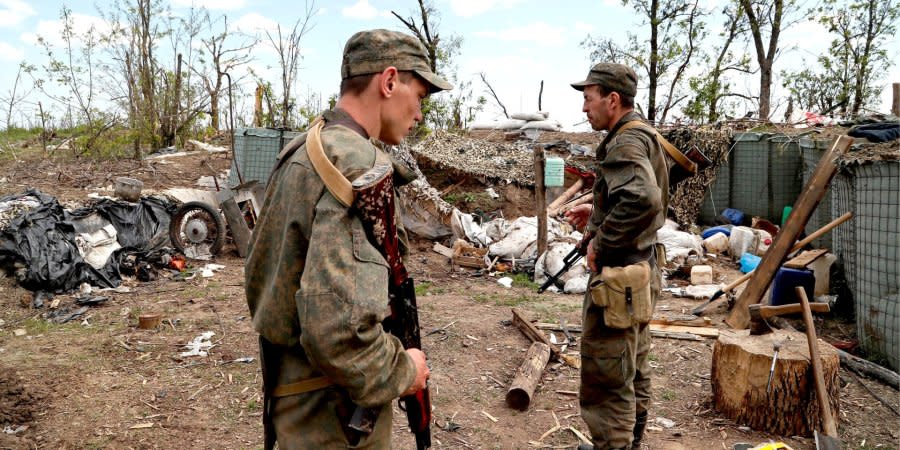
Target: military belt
x,y
302,387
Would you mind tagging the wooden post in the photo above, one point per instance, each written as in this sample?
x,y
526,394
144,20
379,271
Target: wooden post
x,y
257,107
238,226
528,376
540,197
895,106
828,425
812,194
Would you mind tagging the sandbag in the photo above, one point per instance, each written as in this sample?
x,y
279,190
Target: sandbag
x,y
546,125
527,116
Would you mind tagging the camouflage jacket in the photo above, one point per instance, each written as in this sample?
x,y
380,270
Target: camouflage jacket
x,y
315,284
630,195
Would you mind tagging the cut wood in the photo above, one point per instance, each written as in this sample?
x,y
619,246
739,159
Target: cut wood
x,y
864,367
709,332
566,196
442,250
740,371
805,258
806,203
528,376
532,333
675,335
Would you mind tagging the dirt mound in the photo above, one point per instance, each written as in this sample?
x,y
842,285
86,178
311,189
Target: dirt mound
x,y
18,404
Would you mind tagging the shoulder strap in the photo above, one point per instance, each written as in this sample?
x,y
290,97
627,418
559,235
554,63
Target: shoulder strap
x,y
673,152
334,180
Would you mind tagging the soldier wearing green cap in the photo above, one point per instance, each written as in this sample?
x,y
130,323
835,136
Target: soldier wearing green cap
x,y
316,287
630,201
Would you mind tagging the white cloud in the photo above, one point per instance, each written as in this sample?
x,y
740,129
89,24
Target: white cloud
x,y
362,10
229,5
584,27
254,23
51,30
14,12
469,8
537,33
9,52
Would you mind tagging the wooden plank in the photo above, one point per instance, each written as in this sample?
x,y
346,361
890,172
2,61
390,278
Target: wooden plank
x,y
442,250
804,259
806,203
709,332
532,333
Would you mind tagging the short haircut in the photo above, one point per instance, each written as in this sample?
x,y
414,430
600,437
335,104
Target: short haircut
x,y
356,85
626,100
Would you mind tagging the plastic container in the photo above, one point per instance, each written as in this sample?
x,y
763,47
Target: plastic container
x,y
554,172
717,243
742,240
786,280
785,213
749,261
735,216
724,229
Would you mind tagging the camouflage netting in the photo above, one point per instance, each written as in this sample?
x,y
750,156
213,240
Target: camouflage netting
x,y
715,144
514,162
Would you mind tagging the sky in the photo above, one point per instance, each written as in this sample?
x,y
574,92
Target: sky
x,y
517,44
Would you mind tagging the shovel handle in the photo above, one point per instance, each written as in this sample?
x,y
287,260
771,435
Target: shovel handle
x,y
828,424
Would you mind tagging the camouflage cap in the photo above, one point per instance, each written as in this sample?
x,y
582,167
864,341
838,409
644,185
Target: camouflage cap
x,y
613,77
372,51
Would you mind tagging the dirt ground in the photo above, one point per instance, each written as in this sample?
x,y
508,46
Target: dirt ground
x,y
100,382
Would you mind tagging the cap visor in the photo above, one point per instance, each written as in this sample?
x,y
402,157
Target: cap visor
x,y
579,86
437,83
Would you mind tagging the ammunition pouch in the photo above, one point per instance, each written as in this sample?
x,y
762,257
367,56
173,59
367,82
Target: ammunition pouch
x,y
624,295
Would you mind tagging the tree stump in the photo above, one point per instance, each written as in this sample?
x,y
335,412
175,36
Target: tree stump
x,y
740,371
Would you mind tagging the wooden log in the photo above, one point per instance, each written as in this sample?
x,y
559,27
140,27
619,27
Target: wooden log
x,y
532,333
528,376
740,371
806,203
238,226
540,197
566,196
864,367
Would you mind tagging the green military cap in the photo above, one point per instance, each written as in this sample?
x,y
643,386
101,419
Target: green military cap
x,y
613,77
372,51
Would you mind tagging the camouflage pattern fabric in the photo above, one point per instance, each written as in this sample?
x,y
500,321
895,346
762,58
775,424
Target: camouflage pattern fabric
x,y
631,198
318,289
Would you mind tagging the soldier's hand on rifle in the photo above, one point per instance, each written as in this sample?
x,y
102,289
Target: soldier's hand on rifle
x,y
592,258
578,216
422,372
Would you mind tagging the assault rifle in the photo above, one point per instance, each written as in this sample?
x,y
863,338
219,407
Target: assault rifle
x,y
374,204
568,261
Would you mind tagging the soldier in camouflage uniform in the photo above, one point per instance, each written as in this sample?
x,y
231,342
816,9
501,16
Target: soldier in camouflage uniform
x,y
630,201
317,289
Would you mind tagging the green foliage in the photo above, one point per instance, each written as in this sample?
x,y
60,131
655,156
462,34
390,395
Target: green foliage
x,y
422,287
846,79
669,395
523,280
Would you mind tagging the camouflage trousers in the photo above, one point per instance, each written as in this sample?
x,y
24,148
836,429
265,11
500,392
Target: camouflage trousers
x,y
319,419
615,374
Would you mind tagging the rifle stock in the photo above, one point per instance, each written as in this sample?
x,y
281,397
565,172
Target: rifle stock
x,y
374,203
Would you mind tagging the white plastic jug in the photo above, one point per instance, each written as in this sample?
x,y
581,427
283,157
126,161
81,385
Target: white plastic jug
x,y
742,240
717,243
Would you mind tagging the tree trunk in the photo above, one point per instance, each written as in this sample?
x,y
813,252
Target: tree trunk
x,y
765,90
654,60
740,371
528,376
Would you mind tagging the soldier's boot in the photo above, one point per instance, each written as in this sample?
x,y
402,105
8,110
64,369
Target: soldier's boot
x,y
639,425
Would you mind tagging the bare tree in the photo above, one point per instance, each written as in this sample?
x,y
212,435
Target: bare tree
x,y
288,49
766,16
217,59
675,28
711,88
493,93
862,26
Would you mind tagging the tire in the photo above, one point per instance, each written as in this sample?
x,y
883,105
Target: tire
x,y
196,229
